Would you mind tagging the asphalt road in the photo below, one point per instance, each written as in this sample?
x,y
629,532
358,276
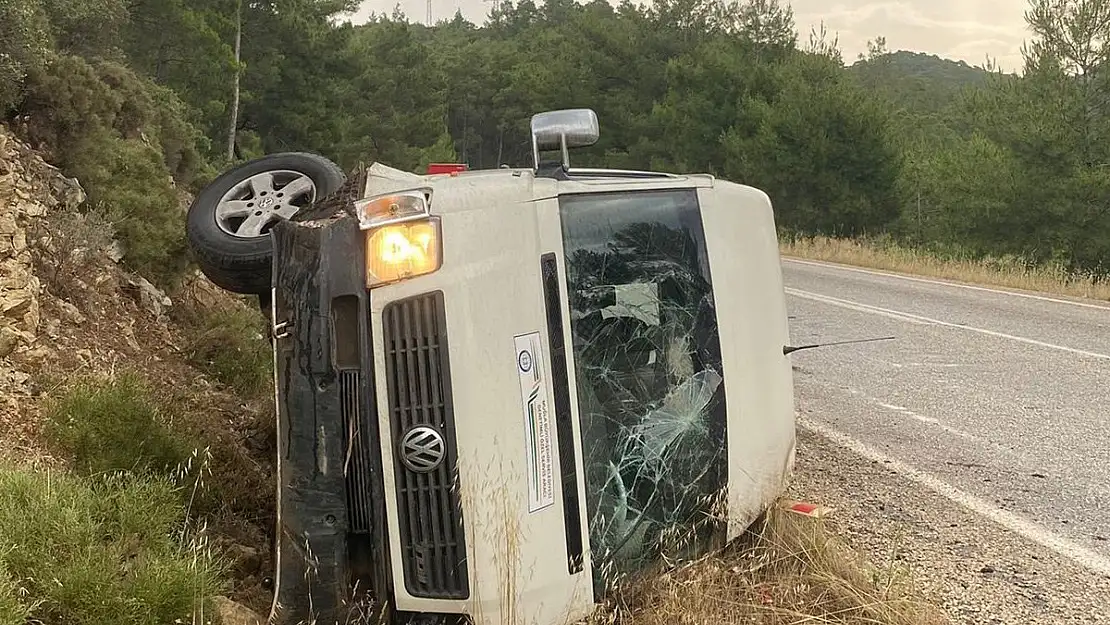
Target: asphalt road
x,y
999,402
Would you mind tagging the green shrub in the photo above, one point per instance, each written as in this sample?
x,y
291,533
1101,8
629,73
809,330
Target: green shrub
x,y
128,179
73,238
111,550
23,42
128,424
89,28
130,144
116,424
229,345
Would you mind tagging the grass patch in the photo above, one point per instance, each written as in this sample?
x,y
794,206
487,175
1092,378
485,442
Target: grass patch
x,y
127,423
788,569
13,609
1007,272
229,344
116,424
108,550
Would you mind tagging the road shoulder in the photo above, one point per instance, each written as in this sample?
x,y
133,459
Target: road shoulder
x,y
976,570
982,278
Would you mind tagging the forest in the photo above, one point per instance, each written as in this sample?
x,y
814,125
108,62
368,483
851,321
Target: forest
x,y
146,100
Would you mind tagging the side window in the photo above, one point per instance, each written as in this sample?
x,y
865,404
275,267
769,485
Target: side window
x,y
648,370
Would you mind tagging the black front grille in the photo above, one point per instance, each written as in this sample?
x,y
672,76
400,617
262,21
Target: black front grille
x,y
433,546
357,461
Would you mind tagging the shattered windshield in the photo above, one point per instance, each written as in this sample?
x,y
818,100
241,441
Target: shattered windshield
x,y
648,368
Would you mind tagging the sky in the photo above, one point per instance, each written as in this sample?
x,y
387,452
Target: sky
x,y
968,30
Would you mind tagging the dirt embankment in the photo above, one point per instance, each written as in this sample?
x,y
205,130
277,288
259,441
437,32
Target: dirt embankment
x,y
69,311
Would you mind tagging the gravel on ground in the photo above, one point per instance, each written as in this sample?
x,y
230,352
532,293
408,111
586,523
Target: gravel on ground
x,y
979,572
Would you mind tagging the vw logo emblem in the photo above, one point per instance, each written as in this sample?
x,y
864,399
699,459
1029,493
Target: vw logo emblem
x,y
423,449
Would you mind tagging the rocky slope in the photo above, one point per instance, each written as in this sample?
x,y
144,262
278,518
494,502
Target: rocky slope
x,y
30,190
69,310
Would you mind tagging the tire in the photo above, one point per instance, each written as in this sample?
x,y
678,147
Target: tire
x,y
229,221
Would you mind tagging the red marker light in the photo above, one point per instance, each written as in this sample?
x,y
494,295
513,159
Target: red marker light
x,y
446,168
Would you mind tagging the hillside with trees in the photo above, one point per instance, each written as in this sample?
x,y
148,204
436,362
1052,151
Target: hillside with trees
x,y
144,99
921,83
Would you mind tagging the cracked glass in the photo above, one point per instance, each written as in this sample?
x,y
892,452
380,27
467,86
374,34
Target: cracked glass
x,y
649,377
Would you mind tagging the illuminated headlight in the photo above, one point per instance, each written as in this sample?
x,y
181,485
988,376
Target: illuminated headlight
x,y
402,239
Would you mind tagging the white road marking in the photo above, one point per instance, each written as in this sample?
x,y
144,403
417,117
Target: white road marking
x,y
958,285
1013,522
902,410
912,318
843,303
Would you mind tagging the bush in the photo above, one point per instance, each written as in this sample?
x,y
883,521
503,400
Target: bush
x,y
23,42
130,180
116,425
106,551
229,345
73,238
128,424
127,140
785,569
89,28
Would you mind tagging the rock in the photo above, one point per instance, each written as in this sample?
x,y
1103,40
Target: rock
x,y
70,191
150,296
53,327
37,355
33,209
129,336
8,226
16,303
229,612
70,313
115,251
19,241
9,341
15,274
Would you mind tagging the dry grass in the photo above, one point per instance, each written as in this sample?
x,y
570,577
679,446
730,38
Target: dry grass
x,y
789,569
1006,272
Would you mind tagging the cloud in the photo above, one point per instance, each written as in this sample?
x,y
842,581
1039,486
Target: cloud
x,y
967,30
416,10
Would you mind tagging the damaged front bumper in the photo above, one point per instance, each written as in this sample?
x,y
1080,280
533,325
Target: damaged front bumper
x,y
330,539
